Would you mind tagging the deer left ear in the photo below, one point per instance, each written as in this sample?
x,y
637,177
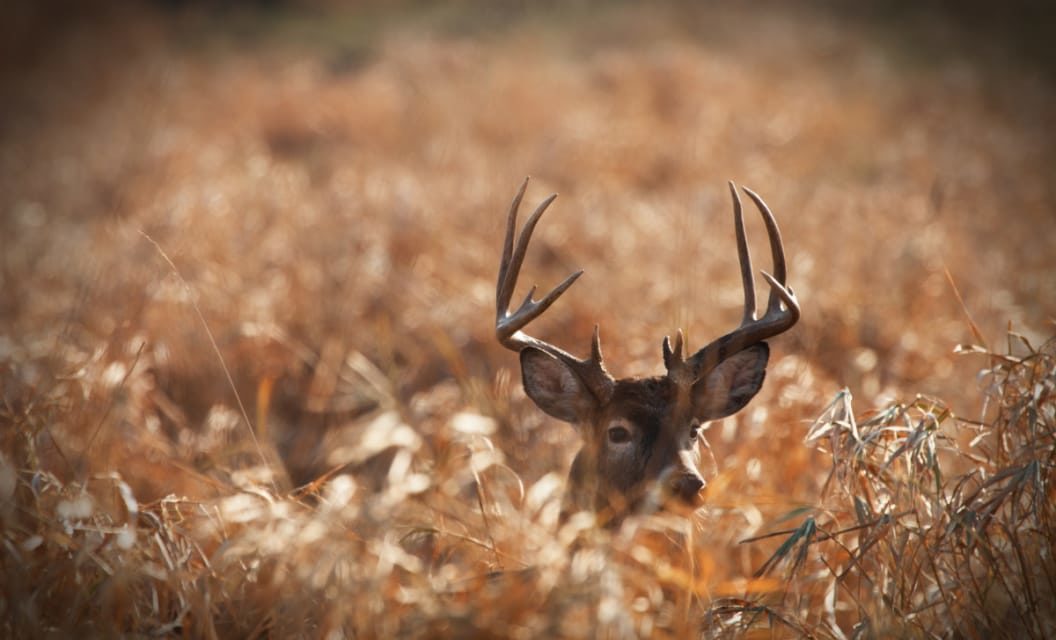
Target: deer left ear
x,y
554,386
730,385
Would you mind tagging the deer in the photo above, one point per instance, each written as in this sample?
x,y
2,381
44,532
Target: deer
x,y
641,435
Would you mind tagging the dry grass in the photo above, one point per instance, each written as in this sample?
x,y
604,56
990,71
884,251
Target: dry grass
x,y
247,368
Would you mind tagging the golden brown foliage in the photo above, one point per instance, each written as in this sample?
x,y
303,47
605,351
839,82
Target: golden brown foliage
x,y
249,382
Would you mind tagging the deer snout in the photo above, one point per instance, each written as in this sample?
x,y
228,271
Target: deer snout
x,y
686,486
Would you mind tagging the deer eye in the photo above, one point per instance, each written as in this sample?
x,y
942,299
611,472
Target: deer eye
x,y
619,435
694,431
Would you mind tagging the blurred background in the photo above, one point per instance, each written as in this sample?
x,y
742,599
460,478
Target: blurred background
x,y
311,195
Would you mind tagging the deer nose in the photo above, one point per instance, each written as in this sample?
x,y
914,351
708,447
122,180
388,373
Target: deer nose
x,y
686,486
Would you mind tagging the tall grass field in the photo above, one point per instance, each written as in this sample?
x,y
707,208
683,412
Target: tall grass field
x,y
249,381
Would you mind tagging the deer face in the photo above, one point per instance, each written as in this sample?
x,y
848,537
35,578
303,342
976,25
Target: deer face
x,y
641,445
640,435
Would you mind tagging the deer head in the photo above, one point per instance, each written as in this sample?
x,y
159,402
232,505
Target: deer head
x,y
641,435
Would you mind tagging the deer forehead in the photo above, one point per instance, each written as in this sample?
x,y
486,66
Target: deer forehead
x,y
647,403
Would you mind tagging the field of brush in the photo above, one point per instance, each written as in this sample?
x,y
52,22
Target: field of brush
x,y
249,384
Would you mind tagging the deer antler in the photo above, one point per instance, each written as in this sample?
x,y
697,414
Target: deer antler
x,y
775,321
508,326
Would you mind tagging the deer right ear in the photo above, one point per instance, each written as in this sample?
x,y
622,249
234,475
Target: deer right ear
x,y
732,384
554,387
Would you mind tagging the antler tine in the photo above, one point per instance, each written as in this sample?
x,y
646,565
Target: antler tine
x,y
504,289
776,320
673,356
784,294
744,256
674,361
513,258
595,345
777,248
507,325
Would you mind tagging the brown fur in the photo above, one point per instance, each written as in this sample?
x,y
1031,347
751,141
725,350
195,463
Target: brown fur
x,y
640,446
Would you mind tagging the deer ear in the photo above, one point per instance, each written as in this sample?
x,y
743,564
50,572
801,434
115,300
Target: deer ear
x,y
554,387
732,384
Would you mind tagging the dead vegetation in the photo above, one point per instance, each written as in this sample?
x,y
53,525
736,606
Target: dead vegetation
x,y
248,374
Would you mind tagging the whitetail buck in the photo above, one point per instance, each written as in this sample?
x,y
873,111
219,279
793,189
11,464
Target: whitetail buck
x,y
640,435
